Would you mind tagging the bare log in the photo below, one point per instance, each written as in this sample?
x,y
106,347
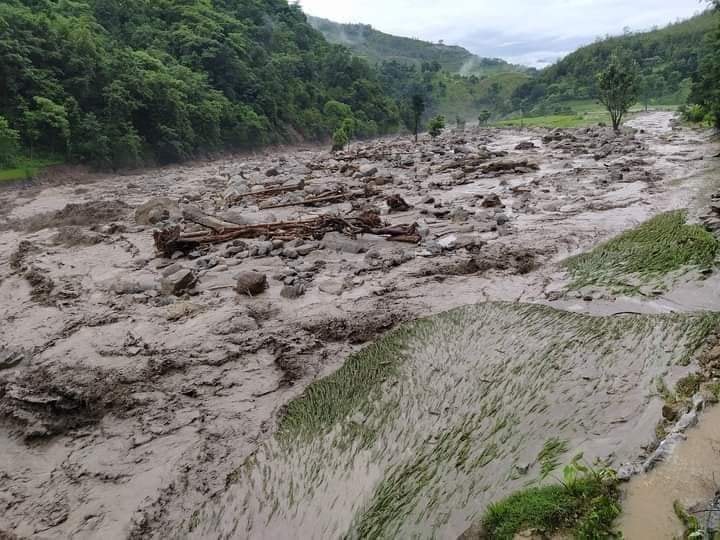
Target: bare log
x,y
195,215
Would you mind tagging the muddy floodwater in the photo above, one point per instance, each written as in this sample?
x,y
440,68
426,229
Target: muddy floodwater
x,y
143,391
691,475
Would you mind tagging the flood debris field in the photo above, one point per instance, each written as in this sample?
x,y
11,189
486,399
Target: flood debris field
x,y
155,326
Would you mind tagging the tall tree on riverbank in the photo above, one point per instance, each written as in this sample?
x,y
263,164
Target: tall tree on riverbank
x,y
618,88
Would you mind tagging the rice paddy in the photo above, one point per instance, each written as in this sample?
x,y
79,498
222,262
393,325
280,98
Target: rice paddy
x,y
665,246
417,434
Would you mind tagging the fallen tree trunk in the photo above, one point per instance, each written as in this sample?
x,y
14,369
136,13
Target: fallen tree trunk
x,y
315,200
195,215
265,193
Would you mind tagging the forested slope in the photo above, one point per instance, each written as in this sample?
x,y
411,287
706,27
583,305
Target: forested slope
x,y
376,47
118,82
667,58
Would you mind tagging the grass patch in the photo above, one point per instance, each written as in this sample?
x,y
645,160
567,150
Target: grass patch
x,y
645,254
585,506
550,454
565,121
27,168
329,400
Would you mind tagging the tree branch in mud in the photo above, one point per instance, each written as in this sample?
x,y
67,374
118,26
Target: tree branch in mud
x,y
172,238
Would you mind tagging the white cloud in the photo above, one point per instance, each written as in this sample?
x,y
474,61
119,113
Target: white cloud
x,y
511,29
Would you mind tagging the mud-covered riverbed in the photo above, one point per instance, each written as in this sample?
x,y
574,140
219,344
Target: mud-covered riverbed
x,y
127,400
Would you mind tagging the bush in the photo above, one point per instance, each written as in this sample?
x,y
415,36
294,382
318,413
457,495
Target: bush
x,y
694,113
340,140
9,146
436,126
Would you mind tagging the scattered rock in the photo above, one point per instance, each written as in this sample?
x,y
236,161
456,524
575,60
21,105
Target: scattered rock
x,y
367,170
332,287
293,291
492,201
397,204
156,210
251,283
178,282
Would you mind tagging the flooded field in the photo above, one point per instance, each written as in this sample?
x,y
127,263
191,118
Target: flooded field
x,y
143,390
449,414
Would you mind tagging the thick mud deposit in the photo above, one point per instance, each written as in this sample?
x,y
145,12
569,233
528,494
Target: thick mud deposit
x,y
132,386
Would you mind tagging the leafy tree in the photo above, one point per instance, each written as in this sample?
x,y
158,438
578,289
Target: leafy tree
x,y
47,122
436,125
618,88
484,117
9,139
340,140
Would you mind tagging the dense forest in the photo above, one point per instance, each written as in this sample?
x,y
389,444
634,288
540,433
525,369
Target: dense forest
x,y
377,47
667,58
119,82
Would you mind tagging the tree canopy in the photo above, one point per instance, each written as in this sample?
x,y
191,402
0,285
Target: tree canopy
x,y
117,82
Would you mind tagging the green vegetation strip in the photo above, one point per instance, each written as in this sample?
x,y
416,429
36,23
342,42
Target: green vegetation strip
x,y
585,509
26,169
329,400
645,255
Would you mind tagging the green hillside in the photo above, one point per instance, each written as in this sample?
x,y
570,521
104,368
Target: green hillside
x,y
376,46
125,82
668,58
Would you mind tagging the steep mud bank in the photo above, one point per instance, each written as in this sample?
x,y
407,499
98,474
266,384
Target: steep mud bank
x,y
127,397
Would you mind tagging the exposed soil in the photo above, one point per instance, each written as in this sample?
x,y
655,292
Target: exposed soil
x,y
144,381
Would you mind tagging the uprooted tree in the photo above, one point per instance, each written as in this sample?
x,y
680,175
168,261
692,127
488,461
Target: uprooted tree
x,y
618,86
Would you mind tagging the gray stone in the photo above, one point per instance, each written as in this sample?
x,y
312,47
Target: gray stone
x,y
331,287
177,283
170,270
133,285
305,249
293,291
367,170
263,249
290,253
628,470
338,242
251,283
10,359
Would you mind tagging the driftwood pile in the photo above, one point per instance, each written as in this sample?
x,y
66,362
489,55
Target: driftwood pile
x,y
173,238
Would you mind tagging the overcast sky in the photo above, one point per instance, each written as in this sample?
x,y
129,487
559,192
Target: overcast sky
x,y
531,32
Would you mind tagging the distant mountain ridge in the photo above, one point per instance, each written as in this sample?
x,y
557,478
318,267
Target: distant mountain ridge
x,y
375,46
